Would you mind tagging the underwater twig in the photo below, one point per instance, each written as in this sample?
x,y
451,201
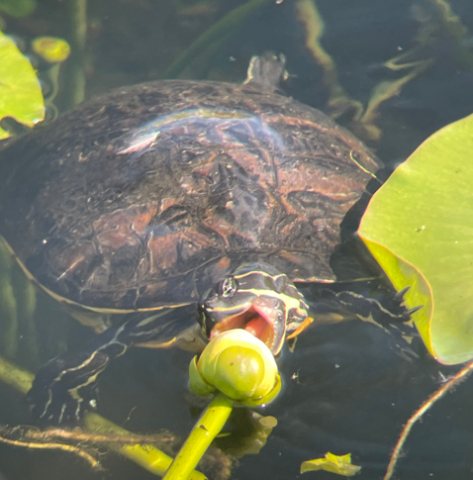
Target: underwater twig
x,y
217,33
445,388
55,446
33,433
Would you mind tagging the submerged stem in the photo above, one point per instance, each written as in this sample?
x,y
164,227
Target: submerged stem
x,y
445,388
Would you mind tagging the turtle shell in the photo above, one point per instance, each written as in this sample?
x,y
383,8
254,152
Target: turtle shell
x,y
147,196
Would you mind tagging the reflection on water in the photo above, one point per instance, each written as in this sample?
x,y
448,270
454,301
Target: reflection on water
x,y
347,388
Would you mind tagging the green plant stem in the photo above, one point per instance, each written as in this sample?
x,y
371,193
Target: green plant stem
x,y
8,305
74,83
146,456
15,376
215,33
205,430
25,293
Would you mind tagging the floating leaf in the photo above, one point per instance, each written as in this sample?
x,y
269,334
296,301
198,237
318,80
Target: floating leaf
x,y
340,464
419,227
20,92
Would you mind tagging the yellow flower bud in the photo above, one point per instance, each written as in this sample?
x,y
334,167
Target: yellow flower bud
x,y
52,49
239,365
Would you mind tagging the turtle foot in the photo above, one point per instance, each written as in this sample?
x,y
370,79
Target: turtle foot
x,y
66,387
388,310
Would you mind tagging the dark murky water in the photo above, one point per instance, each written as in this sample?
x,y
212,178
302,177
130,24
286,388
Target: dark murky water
x,y
347,388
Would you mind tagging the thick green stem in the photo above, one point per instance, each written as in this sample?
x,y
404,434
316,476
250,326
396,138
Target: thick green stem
x,y
205,430
147,456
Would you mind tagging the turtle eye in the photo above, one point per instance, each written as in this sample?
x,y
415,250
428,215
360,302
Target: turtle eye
x,y
228,287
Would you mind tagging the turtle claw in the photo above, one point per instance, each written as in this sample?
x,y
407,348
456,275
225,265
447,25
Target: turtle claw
x,y
414,309
400,295
66,387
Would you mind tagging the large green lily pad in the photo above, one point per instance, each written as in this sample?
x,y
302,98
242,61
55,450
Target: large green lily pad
x,y
419,227
20,91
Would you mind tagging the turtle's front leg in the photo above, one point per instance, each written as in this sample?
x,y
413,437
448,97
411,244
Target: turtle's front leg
x,y
66,386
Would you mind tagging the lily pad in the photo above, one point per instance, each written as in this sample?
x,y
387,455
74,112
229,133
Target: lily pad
x,y
419,227
340,464
20,91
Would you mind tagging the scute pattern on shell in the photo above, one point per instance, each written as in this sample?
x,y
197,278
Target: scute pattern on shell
x,y
147,196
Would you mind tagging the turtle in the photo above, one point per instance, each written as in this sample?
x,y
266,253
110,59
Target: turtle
x,y
159,204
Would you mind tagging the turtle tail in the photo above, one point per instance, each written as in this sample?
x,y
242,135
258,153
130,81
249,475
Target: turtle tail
x,y
267,70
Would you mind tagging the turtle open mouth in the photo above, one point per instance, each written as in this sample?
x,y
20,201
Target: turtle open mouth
x,y
259,320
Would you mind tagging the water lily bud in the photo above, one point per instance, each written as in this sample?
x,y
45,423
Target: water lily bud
x,y
52,49
239,365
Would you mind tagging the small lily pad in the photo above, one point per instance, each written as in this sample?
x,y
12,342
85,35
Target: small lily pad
x,y
340,464
20,91
419,227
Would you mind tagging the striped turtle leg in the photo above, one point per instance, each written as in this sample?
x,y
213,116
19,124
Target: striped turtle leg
x,y
66,386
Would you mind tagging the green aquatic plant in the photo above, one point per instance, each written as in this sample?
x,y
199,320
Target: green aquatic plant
x,y
419,227
20,91
145,455
242,369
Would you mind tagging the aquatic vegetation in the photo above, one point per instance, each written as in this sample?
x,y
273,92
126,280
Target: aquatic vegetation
x,y
239,365
20,91
339,464
418,227
98,431
243,369
431,28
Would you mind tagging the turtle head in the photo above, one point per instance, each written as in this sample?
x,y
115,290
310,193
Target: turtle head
x,y
258,299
